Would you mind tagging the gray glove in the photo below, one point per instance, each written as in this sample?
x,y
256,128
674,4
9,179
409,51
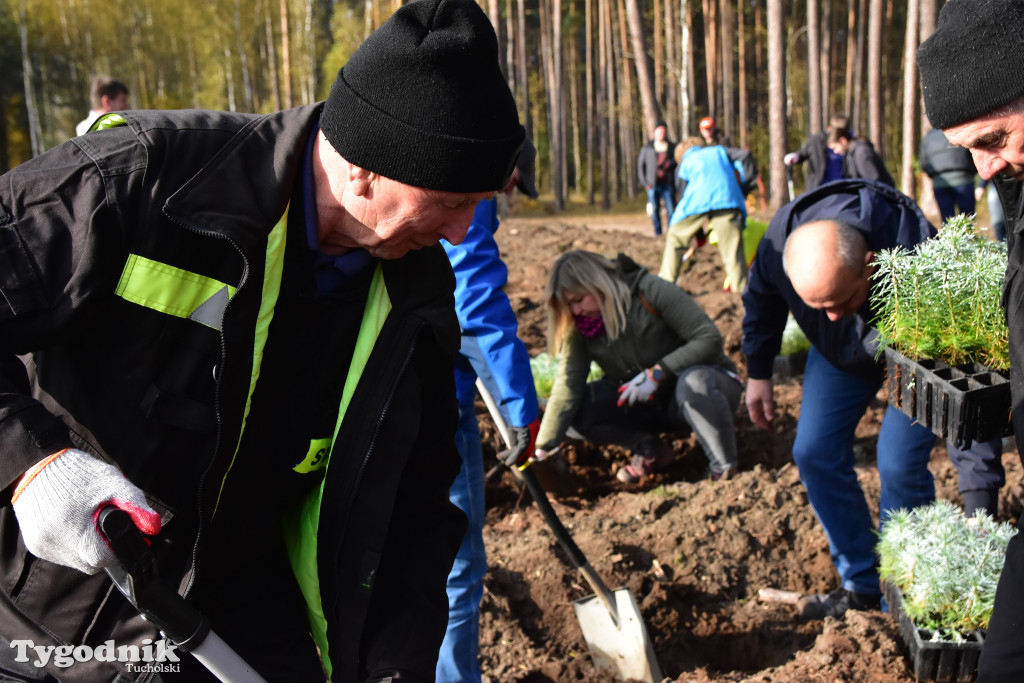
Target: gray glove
x,y
57,506
519,452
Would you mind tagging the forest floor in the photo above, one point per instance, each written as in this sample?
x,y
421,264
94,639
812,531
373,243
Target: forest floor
x,y
694,553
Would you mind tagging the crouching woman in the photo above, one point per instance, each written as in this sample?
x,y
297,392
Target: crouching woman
x,y
664,366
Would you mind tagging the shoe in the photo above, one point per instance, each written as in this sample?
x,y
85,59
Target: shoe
x,y
650,461
836,603
724,475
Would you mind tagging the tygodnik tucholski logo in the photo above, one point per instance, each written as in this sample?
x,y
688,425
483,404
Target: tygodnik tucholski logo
x,y
153,656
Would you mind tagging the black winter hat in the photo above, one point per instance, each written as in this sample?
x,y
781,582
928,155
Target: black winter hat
x,y
423,101
968,66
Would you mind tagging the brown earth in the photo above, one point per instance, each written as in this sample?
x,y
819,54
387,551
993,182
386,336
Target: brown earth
x,y
694,553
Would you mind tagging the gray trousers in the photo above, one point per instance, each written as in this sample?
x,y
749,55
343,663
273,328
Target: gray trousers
x,y
704,400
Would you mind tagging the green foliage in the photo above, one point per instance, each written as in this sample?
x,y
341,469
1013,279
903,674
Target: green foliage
x,y
942,299
794,340
545,367
946,565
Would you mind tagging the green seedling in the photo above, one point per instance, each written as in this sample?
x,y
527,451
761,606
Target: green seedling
x,y
942,300
946,565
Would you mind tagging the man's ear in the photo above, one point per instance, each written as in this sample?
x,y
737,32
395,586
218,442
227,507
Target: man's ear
x,y
359,180
869,257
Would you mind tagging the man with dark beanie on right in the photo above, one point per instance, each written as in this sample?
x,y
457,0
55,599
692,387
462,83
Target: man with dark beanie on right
x,y
973,92
240,330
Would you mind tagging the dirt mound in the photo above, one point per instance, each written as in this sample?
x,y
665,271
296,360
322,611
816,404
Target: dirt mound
x,y
694,553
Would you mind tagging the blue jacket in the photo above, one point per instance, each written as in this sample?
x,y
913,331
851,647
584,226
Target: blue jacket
x,y
886,217
708,181
490,348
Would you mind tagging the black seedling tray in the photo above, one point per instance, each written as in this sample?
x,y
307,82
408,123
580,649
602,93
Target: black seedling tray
x,y
935,661
962,403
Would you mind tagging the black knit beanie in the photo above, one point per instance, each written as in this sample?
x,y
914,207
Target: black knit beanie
x,y
969,65
423,101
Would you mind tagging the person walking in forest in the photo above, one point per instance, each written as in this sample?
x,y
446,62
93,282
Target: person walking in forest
x,y
952,172
815,262
974,96
664,366
710,198
711,134
240,329
860,160
492,352
823,163
656,169
106,95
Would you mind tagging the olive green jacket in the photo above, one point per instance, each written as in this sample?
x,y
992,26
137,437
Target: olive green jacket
x,y
664,325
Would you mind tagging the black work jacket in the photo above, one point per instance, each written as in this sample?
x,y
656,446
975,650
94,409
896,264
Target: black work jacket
x,y
165,398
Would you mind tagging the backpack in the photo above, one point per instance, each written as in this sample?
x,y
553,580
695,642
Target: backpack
x,y
745,164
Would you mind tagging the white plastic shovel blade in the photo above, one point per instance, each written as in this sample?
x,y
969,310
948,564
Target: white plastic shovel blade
x,y
626,651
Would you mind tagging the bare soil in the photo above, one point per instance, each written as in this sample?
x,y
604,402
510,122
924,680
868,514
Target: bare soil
x,y
694,553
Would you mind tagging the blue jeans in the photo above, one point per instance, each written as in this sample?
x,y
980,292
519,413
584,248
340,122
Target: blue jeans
x,y
458,658
833,403
950,198
661,193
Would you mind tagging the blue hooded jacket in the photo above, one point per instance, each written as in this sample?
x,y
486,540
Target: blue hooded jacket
x,y
490,347
886,217
708,181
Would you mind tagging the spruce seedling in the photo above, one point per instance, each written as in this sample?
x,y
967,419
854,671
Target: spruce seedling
x,y
946,566
942,299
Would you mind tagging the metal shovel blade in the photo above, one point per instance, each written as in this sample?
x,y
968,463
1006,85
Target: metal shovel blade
x,y
624,650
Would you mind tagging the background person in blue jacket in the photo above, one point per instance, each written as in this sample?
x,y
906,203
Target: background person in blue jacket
x,y
491,351
710,198
815,260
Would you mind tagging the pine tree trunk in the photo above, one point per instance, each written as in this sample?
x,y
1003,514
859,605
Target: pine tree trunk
x,y
777,102
591,119
728,107
572,55
627,120
907,184
826,60
275,85
929,16
510,40
524,77
851,55
671,70
711,54
602,103
875,103
813,67
645,84
741,84
286,56
686,87
858,73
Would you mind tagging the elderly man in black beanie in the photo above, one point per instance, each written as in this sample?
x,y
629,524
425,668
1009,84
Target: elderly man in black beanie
x,y
974,92
239,329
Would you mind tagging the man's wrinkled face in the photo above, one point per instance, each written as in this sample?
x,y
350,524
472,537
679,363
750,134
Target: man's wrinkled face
x,y
396,218
996,142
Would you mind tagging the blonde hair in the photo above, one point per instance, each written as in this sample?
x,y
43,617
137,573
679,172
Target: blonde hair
x,y
685,145
584,272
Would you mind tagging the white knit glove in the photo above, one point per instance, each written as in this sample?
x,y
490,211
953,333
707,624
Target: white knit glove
x,y
790,159
640,388
57,509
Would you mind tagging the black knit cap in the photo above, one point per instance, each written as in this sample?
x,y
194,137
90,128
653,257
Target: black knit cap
x,y
969,65
423,101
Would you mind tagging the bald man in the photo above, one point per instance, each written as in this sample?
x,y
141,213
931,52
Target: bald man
x,y
815,261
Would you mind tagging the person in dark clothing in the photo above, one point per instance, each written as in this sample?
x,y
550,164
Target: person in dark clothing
x,y
815,261
240,329
972,96
656,168
823,164
860,160
952,172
